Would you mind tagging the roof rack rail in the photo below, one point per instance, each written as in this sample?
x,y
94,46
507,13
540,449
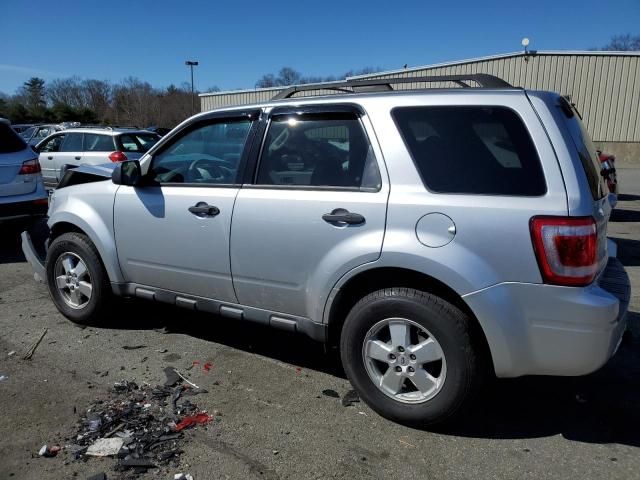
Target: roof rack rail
x,y
384,84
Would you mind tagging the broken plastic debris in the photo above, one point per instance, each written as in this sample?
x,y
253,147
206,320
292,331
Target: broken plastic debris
x,y
11,353
350,398
330,393
207,366
182,476
137,463
47,451
133,347
190,421
98,476
3,378
105,447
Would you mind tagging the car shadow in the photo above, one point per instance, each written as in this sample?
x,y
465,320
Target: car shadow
x,y
10,242
628,251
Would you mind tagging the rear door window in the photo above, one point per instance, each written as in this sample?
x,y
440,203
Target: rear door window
x,y
94,142
52,145
137,142
72,143
471,149
318,150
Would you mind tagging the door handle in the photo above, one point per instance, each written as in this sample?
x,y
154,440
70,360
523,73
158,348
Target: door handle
x,y
340,215
49,158
203,209
77,158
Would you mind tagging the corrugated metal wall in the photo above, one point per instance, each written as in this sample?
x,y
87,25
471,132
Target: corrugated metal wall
x,y
605,88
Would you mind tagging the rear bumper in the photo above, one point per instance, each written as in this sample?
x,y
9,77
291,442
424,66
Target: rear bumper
x,y
535,329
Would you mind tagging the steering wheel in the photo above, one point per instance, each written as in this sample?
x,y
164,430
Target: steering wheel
x,y
209,171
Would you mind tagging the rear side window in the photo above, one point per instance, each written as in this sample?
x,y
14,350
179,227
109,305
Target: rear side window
x,y
586,150
10,141
318,150
94,142
476,150
137,142
72,143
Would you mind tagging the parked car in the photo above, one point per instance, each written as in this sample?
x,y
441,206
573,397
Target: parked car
x,y
608,163
22,193
162,131
21,127
77,146
36,134
437,236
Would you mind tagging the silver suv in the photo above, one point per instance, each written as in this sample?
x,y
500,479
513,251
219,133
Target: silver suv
x,y
77,146
436,235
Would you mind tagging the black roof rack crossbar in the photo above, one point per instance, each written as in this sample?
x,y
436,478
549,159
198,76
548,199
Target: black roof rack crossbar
x,y
384,84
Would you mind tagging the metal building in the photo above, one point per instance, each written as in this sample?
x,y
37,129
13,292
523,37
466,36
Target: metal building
x,y
605,86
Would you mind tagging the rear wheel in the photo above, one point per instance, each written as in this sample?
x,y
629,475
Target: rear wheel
x,y
411,356
77,281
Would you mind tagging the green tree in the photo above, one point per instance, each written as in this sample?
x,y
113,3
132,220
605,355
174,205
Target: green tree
x,y
34,92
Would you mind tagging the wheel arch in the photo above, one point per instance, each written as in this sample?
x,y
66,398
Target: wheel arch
x,y
378,278
66,222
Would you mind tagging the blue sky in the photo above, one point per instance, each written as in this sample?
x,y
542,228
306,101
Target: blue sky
x,y
237,42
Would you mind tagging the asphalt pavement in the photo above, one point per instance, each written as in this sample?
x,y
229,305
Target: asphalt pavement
x,y
276,423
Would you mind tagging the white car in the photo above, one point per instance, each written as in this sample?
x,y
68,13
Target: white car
x,y
94,146
22,192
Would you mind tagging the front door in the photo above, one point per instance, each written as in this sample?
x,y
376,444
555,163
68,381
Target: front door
x,y
48,153
173,233
315,210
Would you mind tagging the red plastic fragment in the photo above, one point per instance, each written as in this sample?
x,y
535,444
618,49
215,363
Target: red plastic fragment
x,y
298,370
190,421
207,366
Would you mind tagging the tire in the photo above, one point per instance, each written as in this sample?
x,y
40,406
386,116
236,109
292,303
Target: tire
x,y
441,328
78,307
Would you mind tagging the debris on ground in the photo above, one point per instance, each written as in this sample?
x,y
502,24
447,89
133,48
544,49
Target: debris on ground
x,y
133,347
330,393
207,366
11,353
47,451
3,378
98,476
105,447
350,398
182,476
32,348
141,426
162,350
172,357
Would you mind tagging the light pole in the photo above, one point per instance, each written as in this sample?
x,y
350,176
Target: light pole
x,y
191,64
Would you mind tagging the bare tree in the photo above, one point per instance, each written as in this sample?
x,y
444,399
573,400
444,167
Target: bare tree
x,y
623,43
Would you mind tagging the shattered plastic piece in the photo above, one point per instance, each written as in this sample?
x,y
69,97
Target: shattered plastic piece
x,y
46,451
190,421
172,377
207,366
133,347
105,447
11,353
350,398
98,476
3,378
330,393
182,476
298,370
162,350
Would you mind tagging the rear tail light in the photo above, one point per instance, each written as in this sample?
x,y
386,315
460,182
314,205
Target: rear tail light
x,y
566,249
30,167
117,157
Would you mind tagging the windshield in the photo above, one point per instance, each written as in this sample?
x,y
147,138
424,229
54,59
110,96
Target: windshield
x,y
10,142
137,142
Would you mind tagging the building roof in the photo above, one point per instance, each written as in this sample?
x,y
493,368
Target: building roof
x,y
445,64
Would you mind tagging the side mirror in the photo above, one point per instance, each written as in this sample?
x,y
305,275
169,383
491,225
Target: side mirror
x,y
127,173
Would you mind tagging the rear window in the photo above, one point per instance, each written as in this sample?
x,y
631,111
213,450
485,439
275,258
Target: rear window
x,y
476,150
137,142
585,148
10,141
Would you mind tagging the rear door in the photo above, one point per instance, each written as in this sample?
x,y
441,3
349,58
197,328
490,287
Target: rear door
x,y
315,209
13,153
70,154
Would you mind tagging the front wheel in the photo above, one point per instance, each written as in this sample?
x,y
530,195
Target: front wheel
x,y
77,281
411,356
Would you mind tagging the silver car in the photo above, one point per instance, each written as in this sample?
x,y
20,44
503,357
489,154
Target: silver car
x,y
22,193
76,146
437,236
